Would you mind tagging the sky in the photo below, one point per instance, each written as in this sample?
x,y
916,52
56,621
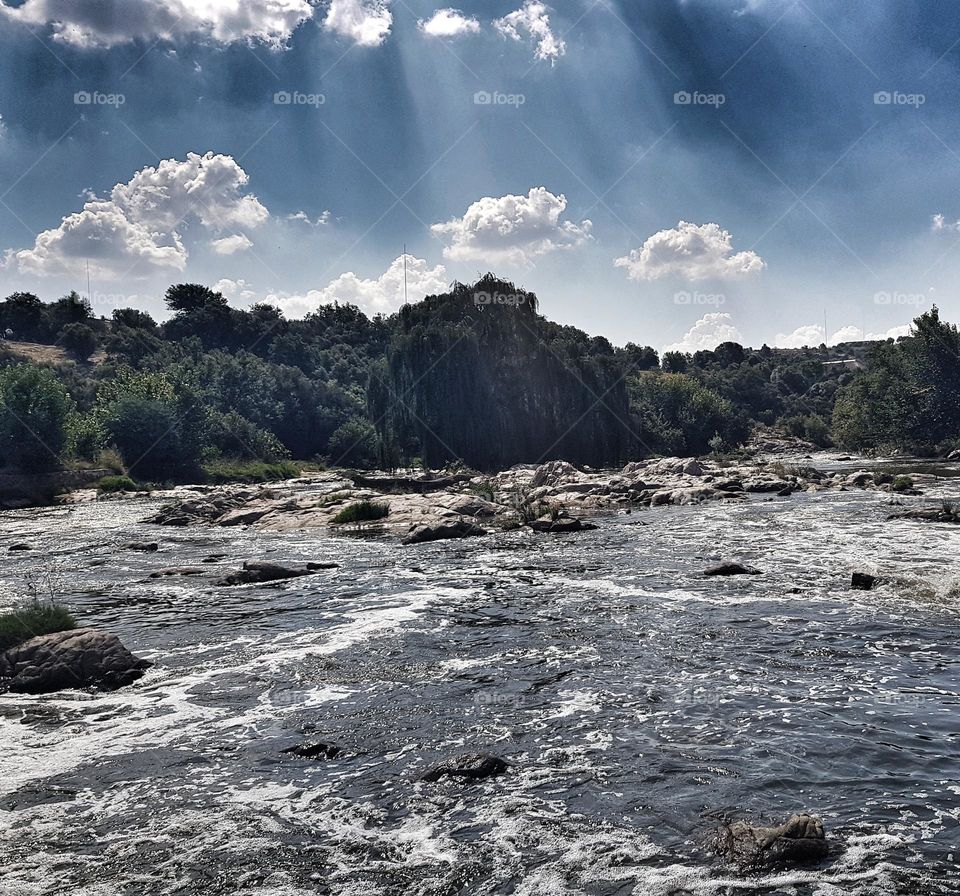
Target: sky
x,y
673,173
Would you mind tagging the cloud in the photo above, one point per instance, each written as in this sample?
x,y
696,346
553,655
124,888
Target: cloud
x,y
939,223
382,295
105,23
236,291
532,20
302,217
812,335
511,229
229,245
707,333
690,251
449,23
136,228
366,22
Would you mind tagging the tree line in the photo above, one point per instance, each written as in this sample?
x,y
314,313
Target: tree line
x,y
476,375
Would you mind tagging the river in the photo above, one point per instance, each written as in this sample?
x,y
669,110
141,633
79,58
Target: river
x,y
636,700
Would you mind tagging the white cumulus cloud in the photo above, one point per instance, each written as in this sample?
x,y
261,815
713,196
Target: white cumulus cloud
x,y
707,333
366,22
690,251
511,229
136,228
230,245
449,23
236,291
381,295
813,335
105,23
531,20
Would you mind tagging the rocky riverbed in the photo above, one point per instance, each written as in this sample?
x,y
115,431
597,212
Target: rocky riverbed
x,y
522,712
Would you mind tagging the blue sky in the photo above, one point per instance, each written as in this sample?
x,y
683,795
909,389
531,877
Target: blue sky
x,y
671,173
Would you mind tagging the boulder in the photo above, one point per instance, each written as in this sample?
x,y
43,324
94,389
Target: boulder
x,y
438,531
21,546
147,547
860,479
801,839
468,766
561,525
731,569
78,658
863,581
314,751
257,571
954,455
552,473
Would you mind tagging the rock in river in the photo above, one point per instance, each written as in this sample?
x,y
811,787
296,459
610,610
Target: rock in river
x,y
72,659
731,569
314,751
256,571
459,528
801,839
470,766
561,524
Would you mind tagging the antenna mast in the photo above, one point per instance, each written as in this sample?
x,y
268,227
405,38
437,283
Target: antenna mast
x,y
404,273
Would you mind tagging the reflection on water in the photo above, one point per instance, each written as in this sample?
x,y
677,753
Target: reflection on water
x,y
637,700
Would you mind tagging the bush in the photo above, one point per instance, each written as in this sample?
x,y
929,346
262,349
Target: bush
x,y
901,484
361,512
36,618
79,340
34,413
117,484
233,435
354,444
85,437
226,470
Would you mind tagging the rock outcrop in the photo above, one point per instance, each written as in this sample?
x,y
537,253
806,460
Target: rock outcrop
x,y
79,658
731,569
468,766
801,839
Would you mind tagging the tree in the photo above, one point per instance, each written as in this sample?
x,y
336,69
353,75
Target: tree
x,y
71,309
25,314
187,298
79,340
135,319
354,444
34,412
674,362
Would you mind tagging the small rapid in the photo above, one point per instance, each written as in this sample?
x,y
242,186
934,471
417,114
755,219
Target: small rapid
x,y
637,701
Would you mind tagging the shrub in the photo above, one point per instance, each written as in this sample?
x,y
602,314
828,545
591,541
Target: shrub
x,y
35,618
34,412
79,340
226,470
117,484
901,484
354,444
361,512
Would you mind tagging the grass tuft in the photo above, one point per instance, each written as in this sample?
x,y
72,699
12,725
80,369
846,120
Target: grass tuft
x,y
361,512
32,619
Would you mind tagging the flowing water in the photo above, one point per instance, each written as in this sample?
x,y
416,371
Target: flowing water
x,y
636,700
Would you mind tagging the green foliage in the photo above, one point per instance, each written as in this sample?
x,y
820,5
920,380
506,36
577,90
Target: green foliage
x,y
361,512
230,434
354,444
901,483
117,484
679,416
86,437
34,412
234,470
79,340
33,619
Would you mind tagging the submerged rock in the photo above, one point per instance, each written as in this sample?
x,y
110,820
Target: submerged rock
x,y
256,571
731,569
470,766
863,581
561,525
177,571
78,658
453,529
314,751
801,839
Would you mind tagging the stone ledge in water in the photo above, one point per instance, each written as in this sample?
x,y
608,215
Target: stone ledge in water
x,y
945,514
441,531
78,658
561,525
314,751
258,571
731,569
801,839
469,766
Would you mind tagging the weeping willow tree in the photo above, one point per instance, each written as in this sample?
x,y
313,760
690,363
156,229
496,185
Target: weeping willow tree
x,y
478,375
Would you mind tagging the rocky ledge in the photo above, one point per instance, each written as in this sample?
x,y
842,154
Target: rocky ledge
x,y
550,498
800,840
79,658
